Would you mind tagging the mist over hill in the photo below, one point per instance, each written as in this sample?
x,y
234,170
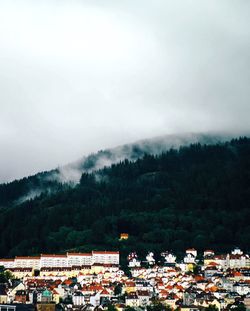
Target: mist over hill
x,y
18,191
132,152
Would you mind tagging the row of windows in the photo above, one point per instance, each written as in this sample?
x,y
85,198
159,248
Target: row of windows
x,y
45,262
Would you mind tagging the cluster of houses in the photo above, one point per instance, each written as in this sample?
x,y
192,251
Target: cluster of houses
x,y
237,259
74,282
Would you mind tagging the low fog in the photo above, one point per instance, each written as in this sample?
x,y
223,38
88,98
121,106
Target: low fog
x,y
80,76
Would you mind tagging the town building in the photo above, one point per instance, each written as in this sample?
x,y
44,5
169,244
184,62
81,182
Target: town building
x,y
60,261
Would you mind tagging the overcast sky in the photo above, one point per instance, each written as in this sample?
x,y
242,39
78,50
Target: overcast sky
x,y
79,76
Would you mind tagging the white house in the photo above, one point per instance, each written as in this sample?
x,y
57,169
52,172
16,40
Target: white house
x,y
78,298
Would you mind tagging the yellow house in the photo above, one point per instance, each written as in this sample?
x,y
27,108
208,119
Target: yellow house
x,y
20,273
85,270
190,267
130,287
97,268
120,307
132,300
68,272
124,236
56,296
46,307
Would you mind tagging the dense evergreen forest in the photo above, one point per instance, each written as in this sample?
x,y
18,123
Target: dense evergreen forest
x,y
195,196
29,187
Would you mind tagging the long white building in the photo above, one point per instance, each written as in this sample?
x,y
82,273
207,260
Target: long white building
x,y
68,260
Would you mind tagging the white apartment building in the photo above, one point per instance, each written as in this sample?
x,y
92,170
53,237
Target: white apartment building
x,y
27,262
54,261
105,257
68,260
79,259
7,263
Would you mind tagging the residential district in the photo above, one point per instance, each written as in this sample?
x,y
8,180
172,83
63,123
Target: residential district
x,y
96,281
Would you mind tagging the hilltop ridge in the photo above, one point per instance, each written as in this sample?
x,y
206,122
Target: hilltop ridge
x,y
18,191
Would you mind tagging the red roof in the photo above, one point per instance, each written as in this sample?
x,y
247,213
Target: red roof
x,y
130,284
164,292
198,278
95,288
105,292
169,287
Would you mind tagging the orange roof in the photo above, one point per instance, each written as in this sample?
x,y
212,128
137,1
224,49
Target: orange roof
x,y
67,282
179,287
212,263
212,288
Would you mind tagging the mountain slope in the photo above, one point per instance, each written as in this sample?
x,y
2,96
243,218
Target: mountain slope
x,y
27,188
196,196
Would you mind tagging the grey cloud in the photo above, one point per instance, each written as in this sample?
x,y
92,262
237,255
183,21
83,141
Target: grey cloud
x,y
81,76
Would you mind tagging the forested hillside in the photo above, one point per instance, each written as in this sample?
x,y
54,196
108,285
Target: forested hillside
x,y
51,181
196,196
